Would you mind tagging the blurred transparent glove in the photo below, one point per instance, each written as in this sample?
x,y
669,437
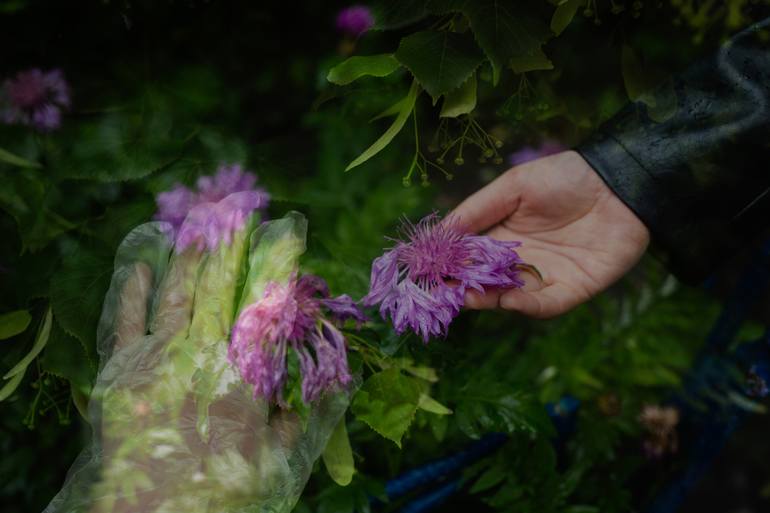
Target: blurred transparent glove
x,y
176,428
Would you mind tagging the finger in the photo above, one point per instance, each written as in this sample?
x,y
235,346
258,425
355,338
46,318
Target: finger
x,y
176,295
489,205
132,306
490,299
545,303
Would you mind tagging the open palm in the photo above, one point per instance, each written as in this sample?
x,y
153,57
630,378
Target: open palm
x,y
573,229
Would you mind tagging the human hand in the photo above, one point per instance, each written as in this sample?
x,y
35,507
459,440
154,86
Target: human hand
x,y
178,429
573,229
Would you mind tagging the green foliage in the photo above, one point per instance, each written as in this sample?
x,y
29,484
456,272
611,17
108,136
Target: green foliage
x,y
440,61
77,292
13,323
356,67
504,30
460,101
338,456
404,109
387,402
140,124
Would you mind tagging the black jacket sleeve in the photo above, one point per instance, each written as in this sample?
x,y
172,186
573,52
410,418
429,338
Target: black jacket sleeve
x,y
697,172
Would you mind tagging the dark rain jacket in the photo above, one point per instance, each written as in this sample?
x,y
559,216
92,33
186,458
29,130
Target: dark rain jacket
x,y
693,159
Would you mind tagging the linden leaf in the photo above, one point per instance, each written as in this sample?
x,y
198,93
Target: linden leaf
x,y
440,61
503,30
358,66
564,15
460,101
13,323
387,402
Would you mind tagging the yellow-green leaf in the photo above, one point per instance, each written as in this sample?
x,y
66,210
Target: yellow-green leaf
x,y
9,387
564,15
358,66
429,404
338,456
537,60
13,323
40,341
392,131
14,160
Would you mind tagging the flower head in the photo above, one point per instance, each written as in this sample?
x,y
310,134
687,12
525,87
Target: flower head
x,y
660,422
290,316
211,214
355,20
35,98
529,153
421,282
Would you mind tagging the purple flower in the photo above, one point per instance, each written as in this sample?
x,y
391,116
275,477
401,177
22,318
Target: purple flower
x,y
529,153
756,381
35,98
290,316
355,20
209,224
219,207
422,281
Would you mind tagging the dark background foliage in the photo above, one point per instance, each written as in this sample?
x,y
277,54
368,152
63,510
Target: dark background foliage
x,y
164,91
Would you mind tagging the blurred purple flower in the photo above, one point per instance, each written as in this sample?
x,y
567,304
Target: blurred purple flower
x,y
756,381
35,98
290,316
529,153
214,211
209,224
421,282
355,20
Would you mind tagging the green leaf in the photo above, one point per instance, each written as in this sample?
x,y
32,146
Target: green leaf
x,y
535,61
564,15
358,66
491,477
460,101
77,293
430,405
12,385
15,160
25,198
494,407
391,14
121,145
406,107
338,456
504,30
440,61
40,341
65,357
13,323
387,402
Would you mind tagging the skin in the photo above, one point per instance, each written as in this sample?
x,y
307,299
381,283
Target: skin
x,y
573,229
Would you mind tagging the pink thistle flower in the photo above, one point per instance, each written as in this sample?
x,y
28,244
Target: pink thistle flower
x,y
35,98
290,316
421,282
355,20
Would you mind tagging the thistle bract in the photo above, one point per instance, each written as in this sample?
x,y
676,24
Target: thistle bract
x,y
420,283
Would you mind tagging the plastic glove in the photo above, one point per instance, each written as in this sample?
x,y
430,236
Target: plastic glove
x,y
176,428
